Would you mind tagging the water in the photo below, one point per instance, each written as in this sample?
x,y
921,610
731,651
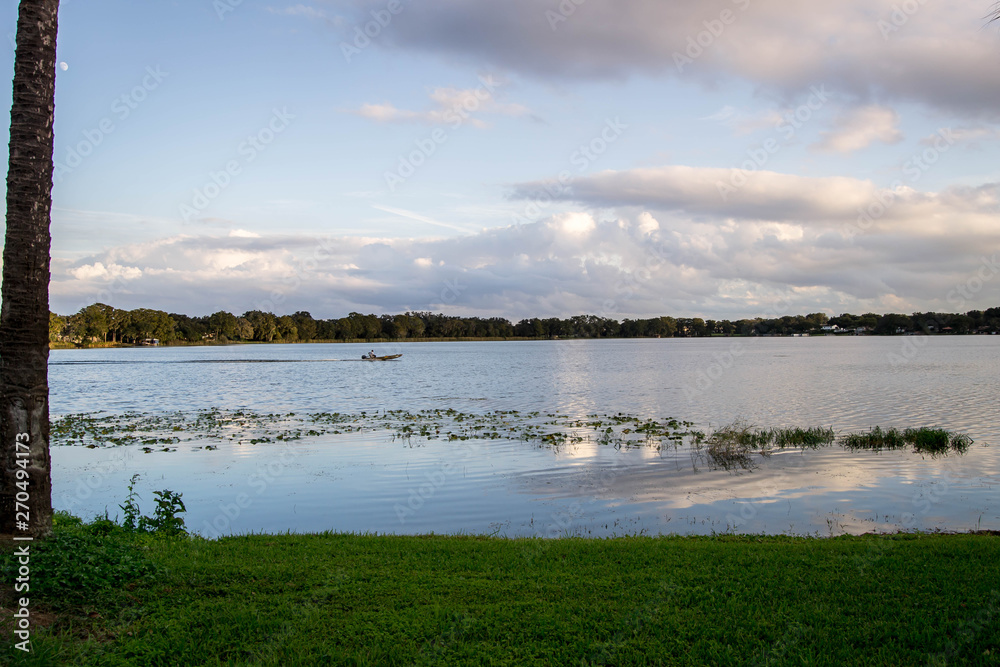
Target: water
x,y
369,482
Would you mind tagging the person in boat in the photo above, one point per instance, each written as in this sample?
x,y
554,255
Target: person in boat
x,y
371,355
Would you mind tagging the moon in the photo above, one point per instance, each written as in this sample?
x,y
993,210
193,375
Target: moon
x,y
63,66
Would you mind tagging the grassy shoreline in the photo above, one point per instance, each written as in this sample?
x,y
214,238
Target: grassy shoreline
x,y
336,599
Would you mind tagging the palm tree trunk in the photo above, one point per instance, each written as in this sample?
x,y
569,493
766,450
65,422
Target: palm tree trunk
x,y
26,509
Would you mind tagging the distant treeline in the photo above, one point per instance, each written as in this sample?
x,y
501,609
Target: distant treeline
x,y
103,323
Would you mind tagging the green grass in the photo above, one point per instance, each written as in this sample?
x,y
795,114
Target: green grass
x,y
876,439
382,600
924,440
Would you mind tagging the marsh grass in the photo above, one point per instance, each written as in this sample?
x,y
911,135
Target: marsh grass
x,y
934,441
937,440
812,438
875,439
733,445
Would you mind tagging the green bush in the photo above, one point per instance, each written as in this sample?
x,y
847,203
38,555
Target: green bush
x,y
164,520
80,563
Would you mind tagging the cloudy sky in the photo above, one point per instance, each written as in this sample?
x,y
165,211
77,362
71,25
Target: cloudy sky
x,y
721,158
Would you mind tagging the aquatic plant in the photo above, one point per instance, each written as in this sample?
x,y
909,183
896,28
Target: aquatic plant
x,y
733,444
802,437
875,439
936,440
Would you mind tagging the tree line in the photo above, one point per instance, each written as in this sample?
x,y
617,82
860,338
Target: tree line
x,y
102,323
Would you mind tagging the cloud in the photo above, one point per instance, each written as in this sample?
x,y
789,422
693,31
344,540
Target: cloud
x,y
450,106
939,55
972,135
672,247
859,128
705,191
308,12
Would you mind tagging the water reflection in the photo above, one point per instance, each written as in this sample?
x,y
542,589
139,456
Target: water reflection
x,y
359,481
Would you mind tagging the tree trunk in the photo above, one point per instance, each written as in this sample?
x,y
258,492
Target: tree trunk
x,y
24,315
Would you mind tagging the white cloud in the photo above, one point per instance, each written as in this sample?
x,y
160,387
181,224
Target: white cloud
x,y
939,56
451,106
970,135
859,128
98,271
668,250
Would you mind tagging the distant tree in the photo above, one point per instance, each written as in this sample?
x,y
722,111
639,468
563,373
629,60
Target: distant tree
x,y
305,325
818,320
244,330
265,327
118,321
891,324
286,329
146,323
190,329
56,326
92,323
415,327
223,325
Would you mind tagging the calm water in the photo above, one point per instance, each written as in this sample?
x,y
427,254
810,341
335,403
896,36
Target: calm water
x,y
368,482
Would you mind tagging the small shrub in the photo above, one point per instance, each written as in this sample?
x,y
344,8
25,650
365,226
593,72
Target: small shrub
x,y
81,563
164,520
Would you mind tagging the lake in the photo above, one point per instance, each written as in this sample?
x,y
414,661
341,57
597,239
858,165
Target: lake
x,y
369,478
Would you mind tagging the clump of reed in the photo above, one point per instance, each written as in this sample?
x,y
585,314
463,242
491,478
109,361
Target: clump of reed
x,y
802,437
923,439
937,440
734,444
876,439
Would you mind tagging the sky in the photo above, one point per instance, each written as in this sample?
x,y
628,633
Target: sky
x,y
525,158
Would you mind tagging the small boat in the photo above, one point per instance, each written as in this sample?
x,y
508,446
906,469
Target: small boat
x,y
365,357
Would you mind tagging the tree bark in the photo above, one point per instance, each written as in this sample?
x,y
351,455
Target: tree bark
x,y
24,314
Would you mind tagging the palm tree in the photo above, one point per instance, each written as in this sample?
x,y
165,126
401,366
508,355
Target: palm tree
x,y
24,314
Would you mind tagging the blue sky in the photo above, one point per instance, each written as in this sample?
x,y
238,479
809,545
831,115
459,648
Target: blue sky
x,y
624,158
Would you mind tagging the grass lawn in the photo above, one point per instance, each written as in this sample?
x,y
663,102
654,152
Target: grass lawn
x,y
380,600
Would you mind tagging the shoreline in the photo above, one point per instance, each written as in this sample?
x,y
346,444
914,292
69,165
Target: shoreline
x,y
468,339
